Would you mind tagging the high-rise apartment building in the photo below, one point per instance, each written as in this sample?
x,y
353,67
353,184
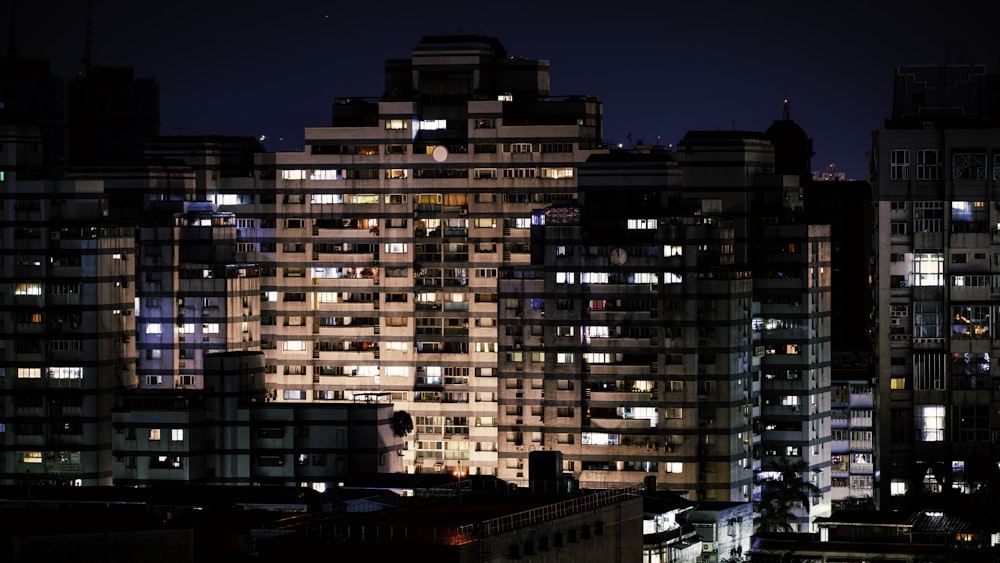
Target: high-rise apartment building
x,y
67,332
675,321
626,345
382,240
936,168
733,175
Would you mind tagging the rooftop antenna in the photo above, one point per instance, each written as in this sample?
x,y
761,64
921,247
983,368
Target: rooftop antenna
x,y
786,113
86,46
11,50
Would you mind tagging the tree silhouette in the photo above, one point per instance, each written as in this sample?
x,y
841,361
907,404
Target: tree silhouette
x,y
402,423
782,493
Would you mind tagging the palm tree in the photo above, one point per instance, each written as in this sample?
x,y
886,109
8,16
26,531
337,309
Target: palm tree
x,y
782,493
402,423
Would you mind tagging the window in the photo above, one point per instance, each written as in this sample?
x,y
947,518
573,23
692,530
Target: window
x,y
28,288
641,224
397,124
897,228
66,373
968,166
970,321
294,394
557,173
176,434
928,216
899,164
969,217
154,434
928,268
928,164
294,346
29,373
928,322
930,423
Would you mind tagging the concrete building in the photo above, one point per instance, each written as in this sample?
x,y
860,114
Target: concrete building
x,y
935,169
888,535
625,345
486,521
733,175
196,299
675,322
67,329
226,433
382,239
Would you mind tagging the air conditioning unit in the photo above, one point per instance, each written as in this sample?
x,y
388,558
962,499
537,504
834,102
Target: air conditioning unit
x,y
895,321
902,283
464,211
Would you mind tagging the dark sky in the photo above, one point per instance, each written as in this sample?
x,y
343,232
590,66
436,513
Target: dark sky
x,y
661,67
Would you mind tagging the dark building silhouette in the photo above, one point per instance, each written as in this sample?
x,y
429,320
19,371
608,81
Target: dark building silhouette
x,y
112,116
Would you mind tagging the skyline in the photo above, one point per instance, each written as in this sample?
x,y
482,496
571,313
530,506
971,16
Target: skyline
x,y
245,69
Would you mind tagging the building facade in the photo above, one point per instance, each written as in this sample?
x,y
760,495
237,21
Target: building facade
x,y
66,317
626,345
936,167
383,238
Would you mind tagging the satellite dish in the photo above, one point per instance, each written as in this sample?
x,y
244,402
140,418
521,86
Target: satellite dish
x,y
440,153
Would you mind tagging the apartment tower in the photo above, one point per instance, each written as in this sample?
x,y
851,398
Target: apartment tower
x,y
936,168
382,239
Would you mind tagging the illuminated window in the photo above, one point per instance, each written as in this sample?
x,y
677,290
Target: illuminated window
x,y
557,173
294,345
397,124
29,373
154,434
930,423
433,124
641,224
28,288
66,373
176,434
326,199
673,467
599,439
32,457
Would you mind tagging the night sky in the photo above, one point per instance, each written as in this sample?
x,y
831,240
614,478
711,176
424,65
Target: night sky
x,y
662,68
